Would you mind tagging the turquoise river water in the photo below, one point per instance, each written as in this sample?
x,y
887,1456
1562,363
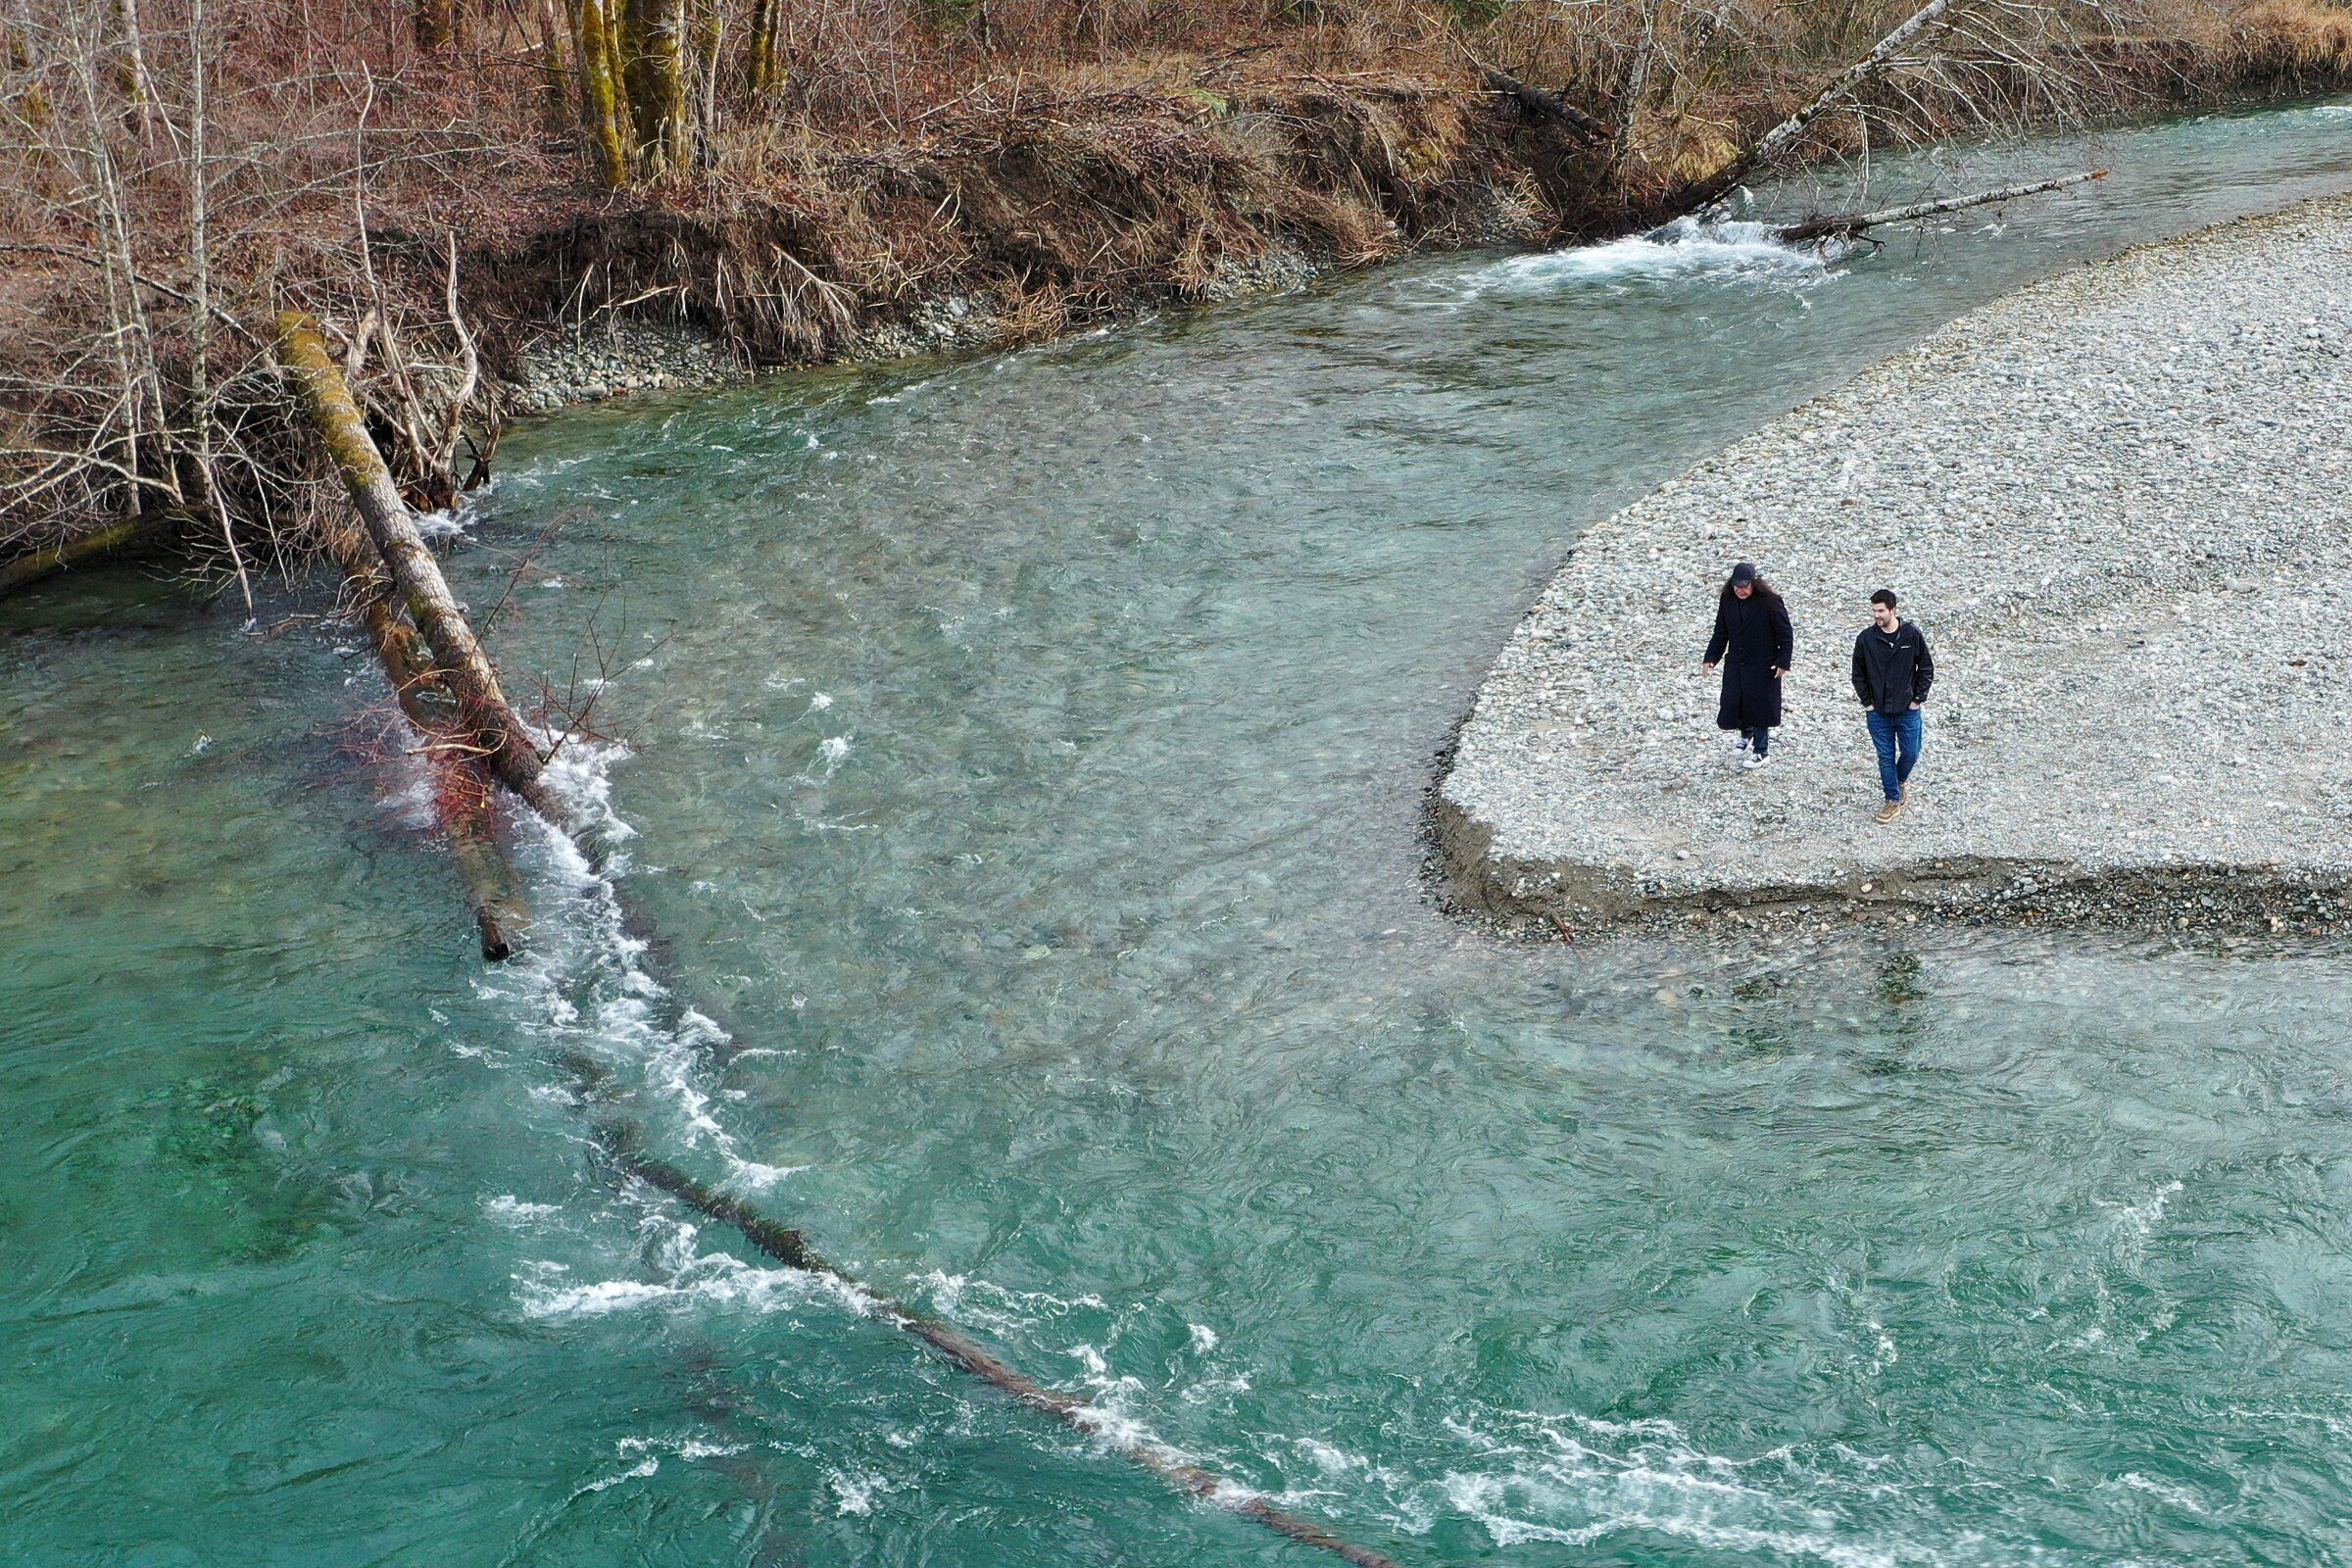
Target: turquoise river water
x,y
1025,762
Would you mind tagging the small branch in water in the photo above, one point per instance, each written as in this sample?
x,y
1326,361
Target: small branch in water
x,y
1846,225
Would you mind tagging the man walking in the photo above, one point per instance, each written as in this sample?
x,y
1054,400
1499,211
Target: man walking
x,y
1892,672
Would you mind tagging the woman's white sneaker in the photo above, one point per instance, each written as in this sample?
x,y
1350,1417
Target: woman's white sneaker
x,y
1754,762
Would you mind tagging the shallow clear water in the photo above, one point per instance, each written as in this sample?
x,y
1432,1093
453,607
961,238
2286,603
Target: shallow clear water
x,y
1027,764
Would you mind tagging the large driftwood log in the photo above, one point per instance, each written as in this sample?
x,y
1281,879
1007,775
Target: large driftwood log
x,y
1846,225
506,744
790,1248
493,891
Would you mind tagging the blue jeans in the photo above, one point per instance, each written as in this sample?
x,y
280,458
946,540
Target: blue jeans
x,y
1886,732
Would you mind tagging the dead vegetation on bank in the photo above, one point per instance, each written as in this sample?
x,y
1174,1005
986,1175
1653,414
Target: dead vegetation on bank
x,y
436,182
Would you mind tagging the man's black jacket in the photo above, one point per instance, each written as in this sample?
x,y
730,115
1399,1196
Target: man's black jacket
x,y
1893,669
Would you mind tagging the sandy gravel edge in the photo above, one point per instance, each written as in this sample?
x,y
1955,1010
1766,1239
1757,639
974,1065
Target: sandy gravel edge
x,y
1549,810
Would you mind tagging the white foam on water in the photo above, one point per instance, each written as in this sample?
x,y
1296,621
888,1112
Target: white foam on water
x,y
1575,1481
855,1495
751,1175
636,1472
1726,251
622,1015
683,1447
2178,1497
684,1278
998,1308
512,1210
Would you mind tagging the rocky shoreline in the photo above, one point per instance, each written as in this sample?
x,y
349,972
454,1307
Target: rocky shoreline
x,y
622,356
2117,503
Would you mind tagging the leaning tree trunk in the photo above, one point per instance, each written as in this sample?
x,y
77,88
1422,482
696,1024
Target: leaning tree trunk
x,y
1770,146
505,744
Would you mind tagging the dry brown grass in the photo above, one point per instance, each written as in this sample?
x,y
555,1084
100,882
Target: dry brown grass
x,y
1066,157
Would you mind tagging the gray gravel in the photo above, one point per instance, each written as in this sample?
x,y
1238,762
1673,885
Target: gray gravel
x,y
613,359
2116,503
616,358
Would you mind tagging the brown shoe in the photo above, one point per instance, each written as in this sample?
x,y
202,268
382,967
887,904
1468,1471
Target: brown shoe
x,y
1891,810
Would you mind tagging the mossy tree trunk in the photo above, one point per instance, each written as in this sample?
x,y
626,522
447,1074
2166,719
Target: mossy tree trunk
x,y
601,91
498,733
761,74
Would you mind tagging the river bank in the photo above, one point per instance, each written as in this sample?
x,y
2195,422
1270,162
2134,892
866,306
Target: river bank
x,y
2115,501
479,237
1040,824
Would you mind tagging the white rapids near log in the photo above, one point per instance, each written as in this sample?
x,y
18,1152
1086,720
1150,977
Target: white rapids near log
x,y
2120,504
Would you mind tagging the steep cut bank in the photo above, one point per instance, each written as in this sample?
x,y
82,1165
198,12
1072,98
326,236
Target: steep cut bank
x,y
2116,503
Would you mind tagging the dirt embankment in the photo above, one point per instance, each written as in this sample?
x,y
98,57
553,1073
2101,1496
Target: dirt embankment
x,y
917,177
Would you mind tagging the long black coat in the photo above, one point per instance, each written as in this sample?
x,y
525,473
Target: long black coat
x,y
1752,636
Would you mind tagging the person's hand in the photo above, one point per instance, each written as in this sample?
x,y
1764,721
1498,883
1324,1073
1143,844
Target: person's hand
x,y
1915,705
1707,668
1778,672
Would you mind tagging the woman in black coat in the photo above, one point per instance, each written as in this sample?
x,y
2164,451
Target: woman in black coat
x,y
1753,641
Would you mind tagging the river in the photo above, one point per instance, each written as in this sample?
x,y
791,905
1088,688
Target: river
x,y
1025,762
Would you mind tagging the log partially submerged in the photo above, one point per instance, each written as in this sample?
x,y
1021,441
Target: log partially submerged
x,y
492,889
506,744
788,1246
1769,147
444,683
34,565
1846,225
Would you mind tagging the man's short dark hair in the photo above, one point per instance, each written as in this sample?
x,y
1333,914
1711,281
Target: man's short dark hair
x,y
1885,596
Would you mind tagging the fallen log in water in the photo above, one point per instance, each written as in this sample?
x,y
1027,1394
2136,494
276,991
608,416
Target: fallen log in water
x,y
788,1246
1842,88
453,694
506,748
461,787
1846,225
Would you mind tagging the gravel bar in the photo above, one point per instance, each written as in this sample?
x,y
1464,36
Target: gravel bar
x,y
2120,504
